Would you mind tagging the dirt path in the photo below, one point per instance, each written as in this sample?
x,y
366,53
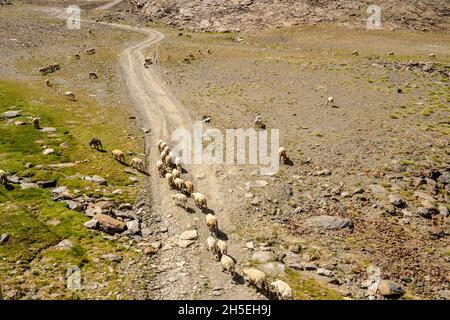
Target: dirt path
x,y
182,273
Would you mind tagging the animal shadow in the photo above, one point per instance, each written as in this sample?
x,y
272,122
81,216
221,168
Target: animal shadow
x,y
190,210
288,162
222,236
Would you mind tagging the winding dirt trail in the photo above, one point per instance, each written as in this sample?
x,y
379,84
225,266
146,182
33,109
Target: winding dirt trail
x,y
189,273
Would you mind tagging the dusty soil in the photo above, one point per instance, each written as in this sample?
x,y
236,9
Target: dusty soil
x,y
251,15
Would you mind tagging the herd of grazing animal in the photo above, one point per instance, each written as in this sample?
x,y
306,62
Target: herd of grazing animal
x,y
172,173
119,155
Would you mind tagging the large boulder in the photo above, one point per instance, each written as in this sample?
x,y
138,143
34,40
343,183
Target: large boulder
x,y
389,288
109,224
329,222
11,114
264,256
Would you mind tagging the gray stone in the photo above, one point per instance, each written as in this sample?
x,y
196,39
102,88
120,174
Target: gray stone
x,y
185,243
250,245
91,224
73,274
427,212
329,222
112,257
156,244
261,183
133,226
377,190
29,185
64,245
443,210
11,114
264,256
74,205
324,272
396,200
48,129
389,288
189,235
4,238
98,180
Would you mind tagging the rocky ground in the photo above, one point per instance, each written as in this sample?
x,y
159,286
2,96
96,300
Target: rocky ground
x,y
251,15
366,193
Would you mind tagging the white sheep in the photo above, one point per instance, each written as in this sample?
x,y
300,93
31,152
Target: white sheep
x,y
228,263
189,186
330,101
137,164
176,173
256,278
118,155
180,199
199,200
3,177
161,168
69,95
223,247
168,160
282,154
170,181
163,155
282,289
211,245
179,183
212,224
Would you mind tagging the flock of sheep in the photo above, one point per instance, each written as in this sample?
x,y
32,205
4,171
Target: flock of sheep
x,y
170,167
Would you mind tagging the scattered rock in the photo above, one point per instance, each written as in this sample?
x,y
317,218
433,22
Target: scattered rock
x,y
133,226
273,269
427,212
48,130
98,180
264,256
324,272
48,151
443,210
11,114
296,248
29,185
91,224
185,243
46,184
73,275
74,205
64,245
396,200
250,245
111,257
